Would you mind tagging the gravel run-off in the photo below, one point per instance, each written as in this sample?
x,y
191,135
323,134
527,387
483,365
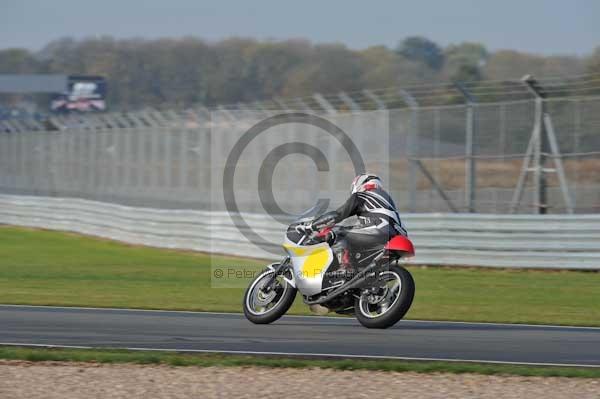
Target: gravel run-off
x,y
21,379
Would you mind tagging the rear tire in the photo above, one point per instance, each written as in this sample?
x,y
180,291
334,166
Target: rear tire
x,y
373,314
283,298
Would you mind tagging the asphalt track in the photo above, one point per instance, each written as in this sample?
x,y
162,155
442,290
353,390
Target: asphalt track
x,y
298,335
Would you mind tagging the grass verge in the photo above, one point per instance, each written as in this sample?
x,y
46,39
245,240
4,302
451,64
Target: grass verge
x,y
207,360
56,268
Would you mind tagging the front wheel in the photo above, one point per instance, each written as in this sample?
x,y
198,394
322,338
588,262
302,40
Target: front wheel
x,y
265,306
388,300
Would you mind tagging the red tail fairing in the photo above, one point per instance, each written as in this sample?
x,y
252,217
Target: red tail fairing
x,y
401,244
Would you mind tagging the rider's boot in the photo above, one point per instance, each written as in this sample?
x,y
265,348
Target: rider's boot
x,y
342,253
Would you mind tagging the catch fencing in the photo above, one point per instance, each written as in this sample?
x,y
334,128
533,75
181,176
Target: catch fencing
x,y
532,241
488,147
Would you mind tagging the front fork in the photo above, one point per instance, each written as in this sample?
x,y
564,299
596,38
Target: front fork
x,y
279,269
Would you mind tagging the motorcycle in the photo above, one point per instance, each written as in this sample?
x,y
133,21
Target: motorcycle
x,y
378,291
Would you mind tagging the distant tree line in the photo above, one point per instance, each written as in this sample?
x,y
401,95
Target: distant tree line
x,y
187,71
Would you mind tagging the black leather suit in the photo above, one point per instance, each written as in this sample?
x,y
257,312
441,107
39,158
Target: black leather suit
x,y
378,221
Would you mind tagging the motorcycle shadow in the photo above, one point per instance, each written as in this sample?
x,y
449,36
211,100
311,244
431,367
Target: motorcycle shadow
x,y
413,325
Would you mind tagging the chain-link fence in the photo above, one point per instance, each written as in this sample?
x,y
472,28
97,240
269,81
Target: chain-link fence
x,y
498,157
486,149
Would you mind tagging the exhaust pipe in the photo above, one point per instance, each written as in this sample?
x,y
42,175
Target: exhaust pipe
x,y
355,282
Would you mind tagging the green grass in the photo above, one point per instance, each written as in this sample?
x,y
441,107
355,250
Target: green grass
x,y
207,360
54,268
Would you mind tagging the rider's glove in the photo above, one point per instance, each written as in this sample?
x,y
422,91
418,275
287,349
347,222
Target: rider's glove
x,y
305,228
327,219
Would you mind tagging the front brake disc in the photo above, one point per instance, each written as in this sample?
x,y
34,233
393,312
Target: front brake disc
x,y
264,298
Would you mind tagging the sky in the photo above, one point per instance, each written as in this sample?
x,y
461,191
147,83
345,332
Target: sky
x,y
569,27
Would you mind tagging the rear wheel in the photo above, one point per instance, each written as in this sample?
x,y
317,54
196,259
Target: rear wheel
x,y
263,306
388,300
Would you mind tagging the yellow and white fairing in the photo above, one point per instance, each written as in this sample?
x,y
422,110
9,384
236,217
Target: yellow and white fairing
x,y
310,262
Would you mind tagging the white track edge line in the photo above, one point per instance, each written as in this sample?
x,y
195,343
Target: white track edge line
x,y
299,354
300,316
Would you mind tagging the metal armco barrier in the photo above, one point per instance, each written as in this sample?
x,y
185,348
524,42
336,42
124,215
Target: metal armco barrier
x,y
528,241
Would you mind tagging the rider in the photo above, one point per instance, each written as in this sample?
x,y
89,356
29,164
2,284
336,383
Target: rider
x,y
377,214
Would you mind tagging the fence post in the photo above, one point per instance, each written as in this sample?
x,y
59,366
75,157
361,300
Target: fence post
x,y
543,139
470,171
373,97
539,157
576,142
323,103
346,99
412,148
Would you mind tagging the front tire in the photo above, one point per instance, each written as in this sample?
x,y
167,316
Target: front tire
x,y
262,307
390,302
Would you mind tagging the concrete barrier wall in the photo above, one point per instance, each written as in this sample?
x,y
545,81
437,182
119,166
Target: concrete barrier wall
x,y
536,241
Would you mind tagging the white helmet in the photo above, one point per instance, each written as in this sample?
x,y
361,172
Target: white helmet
x,y
365,182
